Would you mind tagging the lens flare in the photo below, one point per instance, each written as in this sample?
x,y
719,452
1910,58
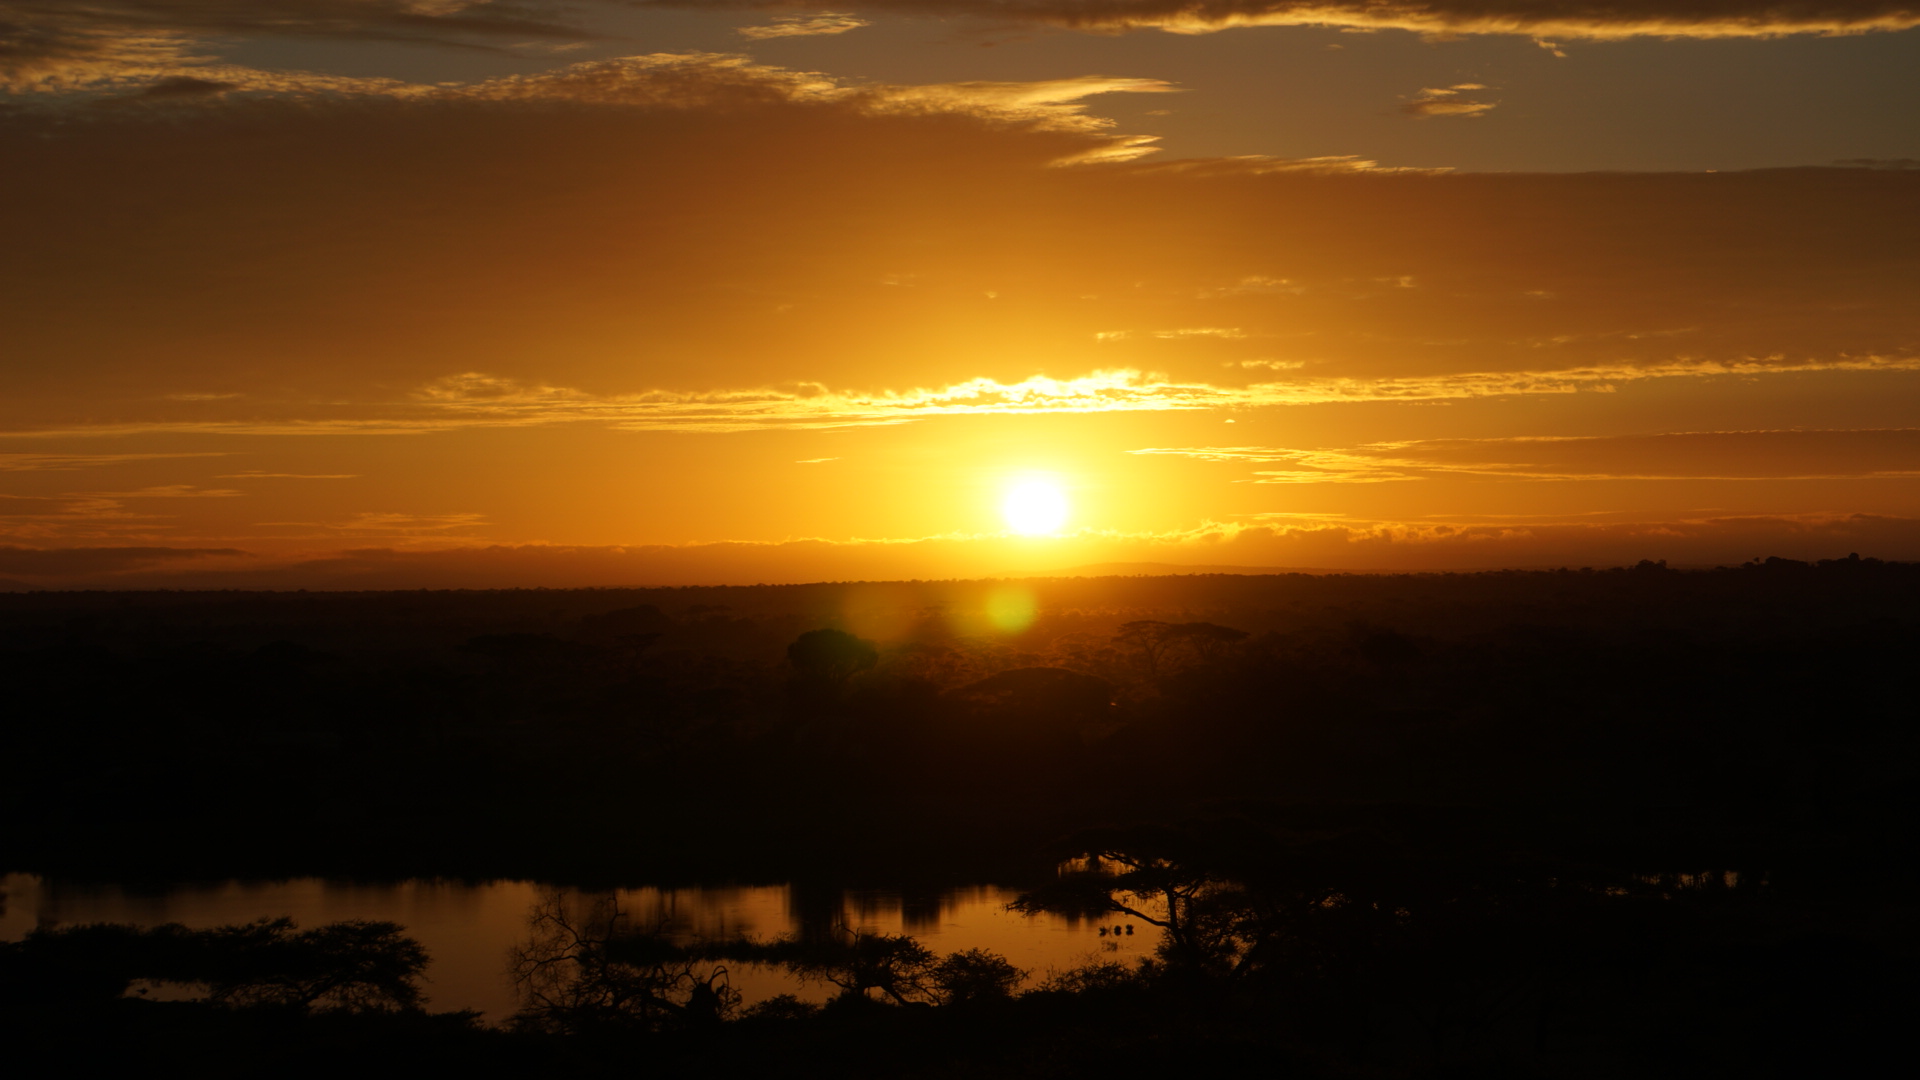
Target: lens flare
x,y
1011,609
1035,508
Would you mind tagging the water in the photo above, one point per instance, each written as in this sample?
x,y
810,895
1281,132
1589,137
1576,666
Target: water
x,y
469,928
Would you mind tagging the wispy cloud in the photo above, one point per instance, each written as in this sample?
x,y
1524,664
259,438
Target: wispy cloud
x,y
1305,466
430,531
1601,379
165,491
388,522
475,399
66,518
55,45
690,80
482,398
827,22
1447,101
258,475
1769,455
1229,333
1591,19
73,562
14,462
1263,165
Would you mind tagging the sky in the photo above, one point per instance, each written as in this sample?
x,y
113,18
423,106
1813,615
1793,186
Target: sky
x,y
458,293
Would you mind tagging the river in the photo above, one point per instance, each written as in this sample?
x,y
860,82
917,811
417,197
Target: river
x,y
468,928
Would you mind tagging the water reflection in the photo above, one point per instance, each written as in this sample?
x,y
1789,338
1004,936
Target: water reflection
x,y
469,928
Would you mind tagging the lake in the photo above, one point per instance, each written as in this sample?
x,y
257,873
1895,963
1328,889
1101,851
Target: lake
x,y
468,928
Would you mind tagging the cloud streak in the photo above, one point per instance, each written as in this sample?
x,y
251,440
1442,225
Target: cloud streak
x,y
1785,455
1577,19
477,400
56,45
48,462
1447,101
174,78
827,22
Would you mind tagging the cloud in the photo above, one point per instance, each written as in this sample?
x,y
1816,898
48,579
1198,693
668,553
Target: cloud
x,y
693,80
700,242
165,491
476,400
79,563
87,515
407,524
1879,163
1305,466
45,462
1489,384
827,22
1592,19
1446,101
1228,333
1262,165
255,474
408,530
1785,455
56,45
73,517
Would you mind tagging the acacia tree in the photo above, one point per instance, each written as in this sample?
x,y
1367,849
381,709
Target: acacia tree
x,y
584,968
356,966
900,968
856,961
1156,642
1210,922
1147,637
823,661
975,975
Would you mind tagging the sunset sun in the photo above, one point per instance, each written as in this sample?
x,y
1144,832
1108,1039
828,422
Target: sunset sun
x,y
1035,507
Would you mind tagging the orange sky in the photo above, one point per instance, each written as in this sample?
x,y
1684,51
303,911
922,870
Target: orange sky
x,y
555,323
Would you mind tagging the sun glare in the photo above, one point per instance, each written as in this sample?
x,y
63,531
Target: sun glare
x,y
1035,508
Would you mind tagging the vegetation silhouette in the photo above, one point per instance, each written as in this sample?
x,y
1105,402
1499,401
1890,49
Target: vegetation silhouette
x,y
1402,823
585,971
410,733
353,966
1324,951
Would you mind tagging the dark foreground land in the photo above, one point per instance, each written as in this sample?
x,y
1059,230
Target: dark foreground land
x,y
1574,823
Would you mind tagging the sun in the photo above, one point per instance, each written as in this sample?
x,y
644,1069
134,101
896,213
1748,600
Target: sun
x,y
1035,507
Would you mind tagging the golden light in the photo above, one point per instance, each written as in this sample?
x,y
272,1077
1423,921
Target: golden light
x,y
1035,507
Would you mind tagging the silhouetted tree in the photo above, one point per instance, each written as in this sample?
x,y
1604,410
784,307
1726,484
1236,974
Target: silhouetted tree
x,y
1155,642
1158,876
975,975
585,969
829,657
1148,638
352,966
855,961
1206,640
